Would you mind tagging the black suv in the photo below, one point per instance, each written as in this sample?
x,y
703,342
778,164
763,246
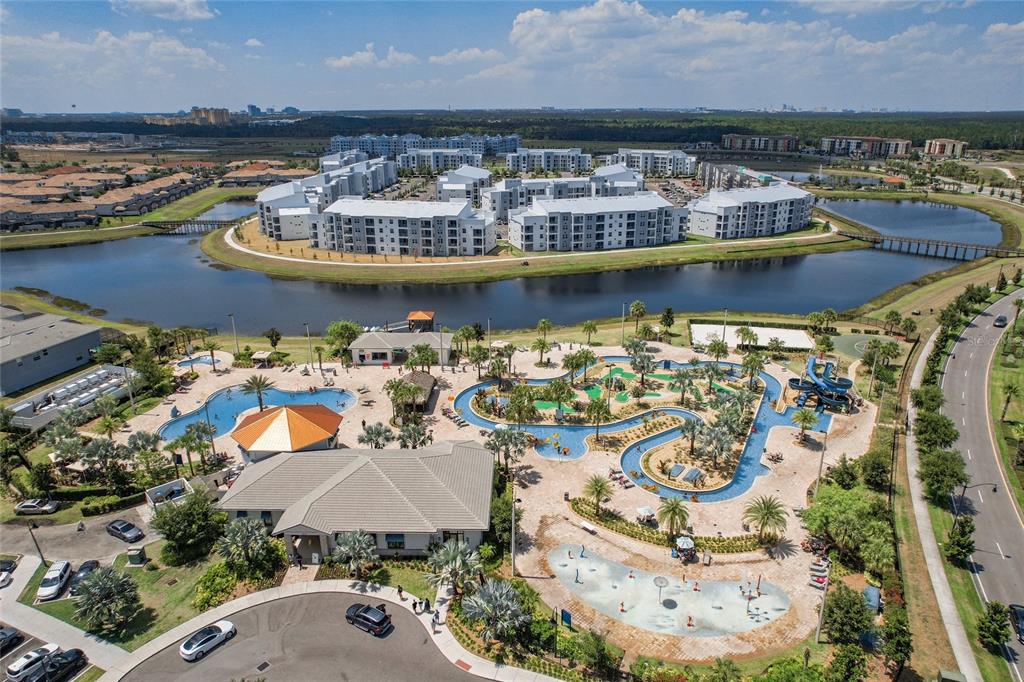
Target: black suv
x,y
369,618
9,638
64,665
1017,618
82,573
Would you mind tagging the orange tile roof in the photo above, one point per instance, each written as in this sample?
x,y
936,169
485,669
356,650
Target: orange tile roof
x,y
420,315
287,428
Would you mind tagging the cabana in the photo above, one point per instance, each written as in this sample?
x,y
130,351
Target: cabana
x,y
261,357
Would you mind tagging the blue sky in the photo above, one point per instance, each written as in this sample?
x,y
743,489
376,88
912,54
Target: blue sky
x,y
165,55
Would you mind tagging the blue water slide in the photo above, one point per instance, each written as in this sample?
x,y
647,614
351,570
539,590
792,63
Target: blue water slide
x,y
838,386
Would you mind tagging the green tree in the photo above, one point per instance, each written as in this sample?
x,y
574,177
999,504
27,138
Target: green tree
x,y
805,419
673,513
941,472
1011,392
993,626
319,350
541,346
692,428
595,653
746,336
41,478
190,528
376,436
597,488
356,549
413,436
637,309
543,327
559,391
849,664
257,384
844,473
928,398
341,334
775,347
723,670
717,348
478,355
960,541
497,606
823,343
846,615
585,357
668,319
792,669
897,641
934,431
682,381
452,563
875,469
767,514
107,599
597,413
210,346
753,364
589,328
273,336
248,550
108,354
521,408
508,444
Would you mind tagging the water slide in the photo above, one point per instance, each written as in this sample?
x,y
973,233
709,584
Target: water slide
x,y
836,385
829,392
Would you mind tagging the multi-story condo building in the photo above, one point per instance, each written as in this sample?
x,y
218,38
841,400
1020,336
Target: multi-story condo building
x,y
945,147
463,183
729,176
393,145
513,193
750,212
761,143
338,160
408,228
571,160
596,223
654,161
292,210
865,147
439,159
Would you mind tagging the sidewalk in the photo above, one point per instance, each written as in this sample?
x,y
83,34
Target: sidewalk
x,y
443,639
947,606
36,623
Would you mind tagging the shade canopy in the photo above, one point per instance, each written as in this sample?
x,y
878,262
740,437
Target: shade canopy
x,y
287,428
644,511
684,542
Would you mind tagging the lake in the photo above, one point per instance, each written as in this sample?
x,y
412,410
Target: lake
x,y
229,210
169,281
919,219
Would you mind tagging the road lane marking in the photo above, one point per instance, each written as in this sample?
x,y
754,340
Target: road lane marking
x,y
980,497
963,395
963,421
969,454
1000,550
965,372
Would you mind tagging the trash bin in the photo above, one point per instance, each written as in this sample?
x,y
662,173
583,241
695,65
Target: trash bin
x,y
566,496
315,559
136,556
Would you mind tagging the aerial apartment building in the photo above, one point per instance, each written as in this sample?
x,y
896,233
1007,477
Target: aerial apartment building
x,y
571,160
439,159
944,147
654,161
865,147
393,145
407,228
596,223
514,193
729,176
463,183
750,212
761,143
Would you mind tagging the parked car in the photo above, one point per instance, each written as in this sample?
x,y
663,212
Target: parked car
x,y
82,573
369,618
63,666
5,578
36,506
1001,321
205,640
54,581
27,664
8,565
125,530
9,638
1017,618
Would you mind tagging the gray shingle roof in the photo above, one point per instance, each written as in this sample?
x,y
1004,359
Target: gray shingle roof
x,y
444,486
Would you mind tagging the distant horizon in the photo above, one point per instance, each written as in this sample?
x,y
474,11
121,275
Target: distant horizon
x,y
431,110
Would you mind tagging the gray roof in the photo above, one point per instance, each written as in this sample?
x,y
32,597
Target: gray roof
x,y
392,340
446,486
22,334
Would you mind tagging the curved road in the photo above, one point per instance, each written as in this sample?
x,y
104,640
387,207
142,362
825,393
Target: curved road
x,y
998,560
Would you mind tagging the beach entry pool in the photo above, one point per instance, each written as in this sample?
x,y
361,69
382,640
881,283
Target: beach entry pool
x,y
667,604
223,407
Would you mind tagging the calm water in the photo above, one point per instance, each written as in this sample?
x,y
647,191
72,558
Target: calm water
x,y
829,178
164,279
922,219
229,210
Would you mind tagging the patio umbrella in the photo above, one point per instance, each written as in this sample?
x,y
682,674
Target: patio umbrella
x,y
684,542
644,511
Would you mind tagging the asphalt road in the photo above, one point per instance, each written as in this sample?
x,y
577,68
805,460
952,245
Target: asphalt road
x,y
64,542
307,638
999,538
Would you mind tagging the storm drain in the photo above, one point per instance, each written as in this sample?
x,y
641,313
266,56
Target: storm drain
x,y
172,581
263,666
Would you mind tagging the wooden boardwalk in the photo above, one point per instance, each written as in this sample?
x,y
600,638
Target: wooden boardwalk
x,y
934,248
191,225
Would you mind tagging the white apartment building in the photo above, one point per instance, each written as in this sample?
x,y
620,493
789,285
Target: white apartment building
x,y
750,212
408,228
596,223
945,147
439,159
463,183
654,161
571,160
338,160
865,147
515,193
292,210
393,145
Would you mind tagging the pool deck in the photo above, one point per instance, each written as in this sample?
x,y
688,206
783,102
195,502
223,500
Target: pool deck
x,y
546,520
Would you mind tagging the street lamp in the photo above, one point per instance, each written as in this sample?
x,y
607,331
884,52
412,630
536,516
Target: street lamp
x,y
959,503
31,527
234,333
821,465
309,344
514,500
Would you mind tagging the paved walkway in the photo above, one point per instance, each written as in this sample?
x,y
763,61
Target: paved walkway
x,y
443,639
936,572
38,624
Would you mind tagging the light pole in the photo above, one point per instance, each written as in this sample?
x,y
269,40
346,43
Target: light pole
x,y
821,611
31,527
234,333
514,500
821,464
309,344
959,503
128,383
725,323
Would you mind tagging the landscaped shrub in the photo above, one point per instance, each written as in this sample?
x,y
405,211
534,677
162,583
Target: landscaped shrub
x,y
79,493
95,506
214,588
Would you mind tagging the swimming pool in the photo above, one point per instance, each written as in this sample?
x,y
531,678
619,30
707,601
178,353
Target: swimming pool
x,y
718,608
573,436
201,360
223,407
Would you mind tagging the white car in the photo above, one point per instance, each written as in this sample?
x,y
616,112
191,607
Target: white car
x,y
54,581
203,641
5,579
27,664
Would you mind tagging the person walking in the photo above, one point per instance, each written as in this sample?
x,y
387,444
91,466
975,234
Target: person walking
x,y
434,622
426,605
401,593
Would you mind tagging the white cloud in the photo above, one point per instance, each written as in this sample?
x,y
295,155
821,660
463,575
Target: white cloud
x,y
472,54
369,57
253,42
174,10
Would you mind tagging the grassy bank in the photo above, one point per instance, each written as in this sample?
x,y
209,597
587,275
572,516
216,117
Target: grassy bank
x,y
189,206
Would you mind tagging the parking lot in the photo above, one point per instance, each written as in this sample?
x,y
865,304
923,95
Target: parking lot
x,y
29,643
307,638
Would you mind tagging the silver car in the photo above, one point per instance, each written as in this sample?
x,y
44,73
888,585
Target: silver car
x,y
27,664
206,640
54,581
37,506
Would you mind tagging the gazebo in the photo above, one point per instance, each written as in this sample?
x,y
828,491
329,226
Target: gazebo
x,y
420,320
289,428
426,382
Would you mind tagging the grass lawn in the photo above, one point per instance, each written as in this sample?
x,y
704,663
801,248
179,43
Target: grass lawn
x,y
755,665
165,605
189,206
69,512
406,574
28,595
91,674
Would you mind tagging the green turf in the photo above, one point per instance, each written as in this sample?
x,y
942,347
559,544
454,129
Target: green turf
x,y
619,372
722,389
652,394
623,396
663,377
593,392
548,405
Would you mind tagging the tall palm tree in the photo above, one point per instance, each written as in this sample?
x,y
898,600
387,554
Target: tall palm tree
x,y
202,434
589,328
541,346
258,384
376,436
497,367
767,514
571,364
356,549
107,425
413,436
182,442
544,326
598,412
673,513
509,445
452,563
558,391
395,390
498,606
718,440
718,348
597,488
775,347
692,428
805,419
682,381
586,358
319,350
753,364
713,372
209,345
643,365
1011,392
637,309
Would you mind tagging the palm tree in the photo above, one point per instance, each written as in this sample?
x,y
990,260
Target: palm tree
x,y
544,326
692,428
1011,392
209,345
775,347
107,599
753,364
571,364
635,346
413,436
673,513
259,385
182,442
397,393
559,391
107,425
244,544
356,549
319,350
767,514
717,348
589,328
598,412
451,564
712,372
724,670
643,365
497,368
376,436
478,355
597,488
718,439
586,358
541,346
202,434
805,419
682,381
498,606
747,337
509,444
637,309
